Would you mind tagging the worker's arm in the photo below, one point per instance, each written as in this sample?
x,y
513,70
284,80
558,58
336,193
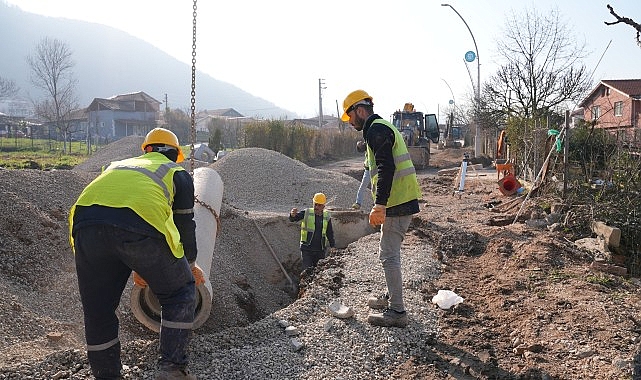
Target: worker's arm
x,y
295,215
183,209
380,139
330,234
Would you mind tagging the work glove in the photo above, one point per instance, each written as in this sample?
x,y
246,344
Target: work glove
x,y
377,215
198,273
139,281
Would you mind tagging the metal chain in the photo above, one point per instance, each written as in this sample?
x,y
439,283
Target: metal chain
x,y
211,209
193,92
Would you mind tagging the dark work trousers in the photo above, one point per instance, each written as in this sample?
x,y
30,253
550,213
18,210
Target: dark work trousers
x,y
105,257
310,258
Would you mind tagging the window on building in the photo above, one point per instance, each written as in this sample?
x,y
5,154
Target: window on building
x,y
596,112
618,108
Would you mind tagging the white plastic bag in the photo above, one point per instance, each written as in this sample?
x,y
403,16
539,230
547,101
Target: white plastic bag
x,y
446,299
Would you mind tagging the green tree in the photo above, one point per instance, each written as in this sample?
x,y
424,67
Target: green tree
x,y
215,141
179,122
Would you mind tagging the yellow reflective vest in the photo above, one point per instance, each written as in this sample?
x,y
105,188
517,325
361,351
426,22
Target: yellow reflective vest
x,y
308,226
405,184
143,184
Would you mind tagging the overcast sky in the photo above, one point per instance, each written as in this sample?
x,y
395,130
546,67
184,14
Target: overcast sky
x,y
398,51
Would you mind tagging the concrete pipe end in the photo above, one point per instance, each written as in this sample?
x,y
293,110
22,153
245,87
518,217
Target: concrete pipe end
x,y
147,309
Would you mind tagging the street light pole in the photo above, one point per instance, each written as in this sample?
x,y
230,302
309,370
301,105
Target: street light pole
x,y
477,137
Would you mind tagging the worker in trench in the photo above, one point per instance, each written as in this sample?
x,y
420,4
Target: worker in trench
x,y
316,232
395,192
138,214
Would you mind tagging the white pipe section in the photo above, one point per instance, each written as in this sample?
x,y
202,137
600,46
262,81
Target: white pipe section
x,y
208,188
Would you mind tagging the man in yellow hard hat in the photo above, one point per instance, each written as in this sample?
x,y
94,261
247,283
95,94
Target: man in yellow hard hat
x,y
395,192
316,232
138,215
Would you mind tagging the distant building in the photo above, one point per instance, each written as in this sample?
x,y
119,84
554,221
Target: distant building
x,y
203,118
615,105
328,122
123,115
16,107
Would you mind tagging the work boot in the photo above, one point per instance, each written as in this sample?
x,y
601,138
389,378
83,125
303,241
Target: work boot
x,y
356,206
389,318
174,374
380,302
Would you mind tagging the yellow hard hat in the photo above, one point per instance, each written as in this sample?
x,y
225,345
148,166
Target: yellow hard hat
x,y
163,136
320,198
353,98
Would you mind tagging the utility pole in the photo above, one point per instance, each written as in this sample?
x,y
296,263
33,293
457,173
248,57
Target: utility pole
x,y
320,102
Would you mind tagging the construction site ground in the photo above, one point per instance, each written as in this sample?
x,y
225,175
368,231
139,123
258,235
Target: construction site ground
x,y
533,306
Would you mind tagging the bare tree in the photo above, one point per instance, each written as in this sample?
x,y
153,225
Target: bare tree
x,y
8,88
542,75
625,20
543,66
51,71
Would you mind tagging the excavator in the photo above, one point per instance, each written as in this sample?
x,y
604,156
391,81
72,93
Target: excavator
x,y
418,130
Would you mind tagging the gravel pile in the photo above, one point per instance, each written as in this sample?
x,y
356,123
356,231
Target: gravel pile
x,y
261,180
245,337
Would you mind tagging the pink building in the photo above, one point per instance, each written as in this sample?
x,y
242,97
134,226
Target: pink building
x,y
616,106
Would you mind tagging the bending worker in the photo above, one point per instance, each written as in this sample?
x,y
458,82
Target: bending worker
x,y
138,215
395,191
316,232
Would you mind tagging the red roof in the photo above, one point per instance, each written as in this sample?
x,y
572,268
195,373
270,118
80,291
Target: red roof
x,y
631,87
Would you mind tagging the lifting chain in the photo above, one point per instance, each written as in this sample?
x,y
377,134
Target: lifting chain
x,y
193,116
193,92
213,212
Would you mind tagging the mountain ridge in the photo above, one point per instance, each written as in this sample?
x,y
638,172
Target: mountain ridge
x,y
109,62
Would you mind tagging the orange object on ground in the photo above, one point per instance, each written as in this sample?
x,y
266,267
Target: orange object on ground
x,y
509,185
506,169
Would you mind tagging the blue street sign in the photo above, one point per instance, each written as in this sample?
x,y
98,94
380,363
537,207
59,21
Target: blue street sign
x,y
470,56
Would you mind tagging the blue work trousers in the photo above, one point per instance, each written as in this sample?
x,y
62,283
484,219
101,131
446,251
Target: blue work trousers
x,y
105,257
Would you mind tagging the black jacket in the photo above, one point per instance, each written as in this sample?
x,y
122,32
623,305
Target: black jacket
x,y
380,138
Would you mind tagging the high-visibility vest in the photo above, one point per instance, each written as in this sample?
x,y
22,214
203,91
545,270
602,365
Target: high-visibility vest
x,y
308,226
143,184
405,184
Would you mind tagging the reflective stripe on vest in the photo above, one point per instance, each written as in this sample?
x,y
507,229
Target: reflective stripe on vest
x,y
405,184
151,172
308,225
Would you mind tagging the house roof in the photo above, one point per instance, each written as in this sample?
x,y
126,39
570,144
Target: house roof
x,y
629,87
123,102
223,112
137,96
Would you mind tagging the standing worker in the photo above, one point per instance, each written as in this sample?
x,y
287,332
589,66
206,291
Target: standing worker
x,y
316,232
395,191
365,181
138,215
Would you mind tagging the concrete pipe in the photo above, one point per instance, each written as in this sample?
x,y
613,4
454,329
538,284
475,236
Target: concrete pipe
x,y
349,226
208,187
